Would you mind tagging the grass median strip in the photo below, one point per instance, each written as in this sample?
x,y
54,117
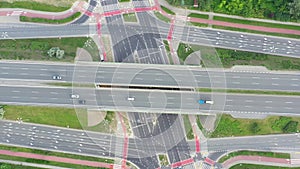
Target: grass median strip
x,y
196,15
254,153
130,17
162,17
256,32
230,127
262,92
33,6
167,10
254,166
256,23
51,21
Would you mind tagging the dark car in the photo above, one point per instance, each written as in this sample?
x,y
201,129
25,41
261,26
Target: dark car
x,y
82,101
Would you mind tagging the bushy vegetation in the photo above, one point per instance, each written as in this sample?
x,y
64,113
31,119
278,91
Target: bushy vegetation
x,y
230,58
229,126
36,49
283,10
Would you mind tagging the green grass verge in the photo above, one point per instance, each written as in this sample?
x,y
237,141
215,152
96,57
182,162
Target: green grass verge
x,y
196,15
124,0
50,153
36,49
188,127
263,92
184,51
229,58
256,32
12,166
167,47
255,153
33,6
256,23
162,17
199,24
253,166
166,43
52,21
163,159
55,116
229,126
130,17
167,10
63,117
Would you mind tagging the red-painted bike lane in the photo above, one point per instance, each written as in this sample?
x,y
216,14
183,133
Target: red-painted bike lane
x,y
125,148
56,159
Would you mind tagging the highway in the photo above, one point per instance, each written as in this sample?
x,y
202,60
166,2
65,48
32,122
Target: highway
x,y
207,37
100,144
149,75
153,101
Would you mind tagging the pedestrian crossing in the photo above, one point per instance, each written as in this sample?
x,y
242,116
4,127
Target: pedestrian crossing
x,y
295,161
111,7
141,3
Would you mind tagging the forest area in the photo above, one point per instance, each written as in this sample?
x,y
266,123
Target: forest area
x,y
281,10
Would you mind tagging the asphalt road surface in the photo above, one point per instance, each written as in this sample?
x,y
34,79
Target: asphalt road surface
x,y
149,75
100,144
190,34
153,101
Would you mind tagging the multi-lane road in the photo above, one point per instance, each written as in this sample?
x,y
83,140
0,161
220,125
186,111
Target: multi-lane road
x,y
190,34
152,101
100,144
149,75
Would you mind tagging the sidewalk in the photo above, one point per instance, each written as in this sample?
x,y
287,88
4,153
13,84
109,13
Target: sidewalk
x,y
260,160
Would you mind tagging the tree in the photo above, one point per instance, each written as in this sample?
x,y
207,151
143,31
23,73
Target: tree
x,y
295,9
254,128
291,127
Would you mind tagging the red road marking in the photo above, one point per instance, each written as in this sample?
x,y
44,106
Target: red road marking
x,y
209,161
197,145
182,163
125,148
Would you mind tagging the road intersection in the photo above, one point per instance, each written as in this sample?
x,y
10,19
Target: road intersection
x,y
142,43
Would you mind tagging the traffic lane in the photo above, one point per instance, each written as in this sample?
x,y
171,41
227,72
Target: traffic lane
x,y
154,100
272,142
36,95
38,31
150,76
186,101
234,40
60,139
255,104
